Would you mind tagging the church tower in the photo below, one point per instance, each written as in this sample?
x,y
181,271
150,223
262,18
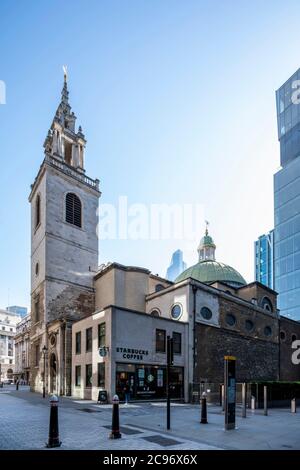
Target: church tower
x,y
64,249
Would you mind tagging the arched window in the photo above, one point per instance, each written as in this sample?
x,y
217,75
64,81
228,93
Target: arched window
x,y
37,211
159,287
155,312
266,304
73,209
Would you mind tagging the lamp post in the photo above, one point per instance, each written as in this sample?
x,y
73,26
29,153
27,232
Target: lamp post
x,y
44,351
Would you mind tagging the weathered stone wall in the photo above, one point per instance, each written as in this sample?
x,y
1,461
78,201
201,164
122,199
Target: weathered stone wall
x,y
290,330
68,301
256,359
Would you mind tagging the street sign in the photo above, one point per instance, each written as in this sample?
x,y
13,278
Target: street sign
x,y
230,391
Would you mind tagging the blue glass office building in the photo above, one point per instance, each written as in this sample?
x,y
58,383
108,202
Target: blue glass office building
x,y
264,259
287,199
17,309
176,267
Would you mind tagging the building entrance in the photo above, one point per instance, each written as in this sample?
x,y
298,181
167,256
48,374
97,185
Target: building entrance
x,y
148,381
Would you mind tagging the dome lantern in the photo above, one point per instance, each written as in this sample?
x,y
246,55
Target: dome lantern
x,y
206,248
208,270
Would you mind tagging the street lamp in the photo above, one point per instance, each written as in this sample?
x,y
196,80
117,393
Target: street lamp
x,y
44,351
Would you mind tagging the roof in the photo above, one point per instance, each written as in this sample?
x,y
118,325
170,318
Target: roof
x,y
208,271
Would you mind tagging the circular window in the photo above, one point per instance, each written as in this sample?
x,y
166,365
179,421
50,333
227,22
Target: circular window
x,y
294,337
37,269
268,331
52,340
206,313
249,325
230,319
282,335
176,311
154,312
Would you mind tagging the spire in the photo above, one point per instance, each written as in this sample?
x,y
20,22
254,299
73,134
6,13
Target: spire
x,y
62,141
65,92
207,247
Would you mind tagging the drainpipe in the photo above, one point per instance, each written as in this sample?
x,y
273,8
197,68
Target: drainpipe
x,y
62,358
194,329
279,347
46,378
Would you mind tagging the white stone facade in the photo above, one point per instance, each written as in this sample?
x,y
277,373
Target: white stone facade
x,y
22,350
8,323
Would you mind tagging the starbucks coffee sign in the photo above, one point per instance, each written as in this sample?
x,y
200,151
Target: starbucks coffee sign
x,y
133,354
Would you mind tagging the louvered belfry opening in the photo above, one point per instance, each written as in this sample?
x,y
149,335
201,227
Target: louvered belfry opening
x,y
73,209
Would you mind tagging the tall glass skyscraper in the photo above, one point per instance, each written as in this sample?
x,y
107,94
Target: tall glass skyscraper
x,y
264,259
287,199
177,266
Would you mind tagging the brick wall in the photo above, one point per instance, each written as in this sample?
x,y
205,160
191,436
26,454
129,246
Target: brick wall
x,y
256,359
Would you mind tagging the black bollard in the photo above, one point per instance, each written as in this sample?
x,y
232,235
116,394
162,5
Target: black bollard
x,y
115,431
203,409
265,401
17,385
53,440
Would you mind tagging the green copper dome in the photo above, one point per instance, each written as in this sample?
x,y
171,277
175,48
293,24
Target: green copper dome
x,y
209,271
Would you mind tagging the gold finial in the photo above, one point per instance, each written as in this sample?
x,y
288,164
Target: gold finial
x,y
65,72
206,230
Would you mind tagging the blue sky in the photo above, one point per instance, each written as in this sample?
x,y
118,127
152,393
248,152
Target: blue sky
x,y
177,101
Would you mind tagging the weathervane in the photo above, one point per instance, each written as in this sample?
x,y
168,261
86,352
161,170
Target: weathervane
x,y
65,69
207,224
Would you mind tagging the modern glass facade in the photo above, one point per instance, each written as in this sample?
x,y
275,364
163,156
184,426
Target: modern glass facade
x,y
287,199
19,310
288,118
176,267
287,238
264,259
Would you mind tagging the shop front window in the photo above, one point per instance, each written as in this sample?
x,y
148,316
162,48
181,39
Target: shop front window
x,y
148,381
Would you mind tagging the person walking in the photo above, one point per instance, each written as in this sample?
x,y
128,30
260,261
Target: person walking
x,y
126,391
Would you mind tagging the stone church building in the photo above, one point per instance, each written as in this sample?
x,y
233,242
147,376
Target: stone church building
x,y
64,249
95,329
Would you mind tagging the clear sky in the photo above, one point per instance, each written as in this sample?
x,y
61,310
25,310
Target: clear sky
x,y
177,102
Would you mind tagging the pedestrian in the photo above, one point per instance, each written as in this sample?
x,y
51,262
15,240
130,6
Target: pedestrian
x,y
126,391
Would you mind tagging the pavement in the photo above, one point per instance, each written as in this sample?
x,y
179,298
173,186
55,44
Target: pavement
x,y
84,425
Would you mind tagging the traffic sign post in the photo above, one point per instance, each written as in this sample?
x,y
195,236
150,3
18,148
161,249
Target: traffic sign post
x,y
170,361
230,391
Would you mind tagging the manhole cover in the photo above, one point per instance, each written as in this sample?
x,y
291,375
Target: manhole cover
x,y
161,440
125,430
89,410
